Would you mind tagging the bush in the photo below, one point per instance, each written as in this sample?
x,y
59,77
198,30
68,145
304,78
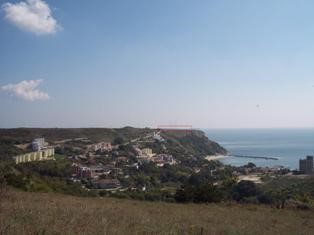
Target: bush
x,y
265,198
118,141
243,190
207,193
199,194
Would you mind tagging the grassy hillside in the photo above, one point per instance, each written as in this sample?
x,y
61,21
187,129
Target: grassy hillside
x,y
194,142
38,213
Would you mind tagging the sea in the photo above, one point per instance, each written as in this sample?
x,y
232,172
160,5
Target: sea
x,y
288,145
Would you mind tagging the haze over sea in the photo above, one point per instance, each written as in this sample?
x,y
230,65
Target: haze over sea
x,y
289,145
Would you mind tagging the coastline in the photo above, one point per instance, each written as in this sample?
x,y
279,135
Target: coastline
x,y
287,145
215,157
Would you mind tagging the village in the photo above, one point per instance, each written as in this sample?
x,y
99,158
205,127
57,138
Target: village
x,y
103,162
110,165
100,165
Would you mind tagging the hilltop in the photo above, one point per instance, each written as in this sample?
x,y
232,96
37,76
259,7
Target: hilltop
x,y
191,142
41,213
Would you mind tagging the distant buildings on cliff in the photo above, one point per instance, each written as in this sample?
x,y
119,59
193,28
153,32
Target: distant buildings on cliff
x,y
101,146
147,155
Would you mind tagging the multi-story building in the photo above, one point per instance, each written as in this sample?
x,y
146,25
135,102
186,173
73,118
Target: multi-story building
x,y
38,144
41,155
306,165
90,172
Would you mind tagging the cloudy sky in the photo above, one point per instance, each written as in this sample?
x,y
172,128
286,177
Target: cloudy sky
x,y
209,64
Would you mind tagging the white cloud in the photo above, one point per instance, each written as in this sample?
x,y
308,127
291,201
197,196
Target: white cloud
x,y
26,90
32,16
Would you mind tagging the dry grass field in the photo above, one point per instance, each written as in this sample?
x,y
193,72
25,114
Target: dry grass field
x,y
40,213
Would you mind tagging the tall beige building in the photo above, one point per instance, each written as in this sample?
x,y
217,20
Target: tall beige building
x,y
42,155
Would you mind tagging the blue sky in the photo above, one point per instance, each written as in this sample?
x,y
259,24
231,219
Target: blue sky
x,y
210,64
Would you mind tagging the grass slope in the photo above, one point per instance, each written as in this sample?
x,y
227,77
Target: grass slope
x,y
39,213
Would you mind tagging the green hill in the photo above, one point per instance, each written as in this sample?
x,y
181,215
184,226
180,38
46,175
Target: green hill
x,y
193,142
22,135
42,213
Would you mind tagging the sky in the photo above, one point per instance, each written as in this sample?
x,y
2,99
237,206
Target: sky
x,y
113,63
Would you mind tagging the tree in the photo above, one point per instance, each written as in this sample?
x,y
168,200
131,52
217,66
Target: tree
x,y
184,194
250,165
280,196
243,190
118,140
207,193
200,194
200,178
227,186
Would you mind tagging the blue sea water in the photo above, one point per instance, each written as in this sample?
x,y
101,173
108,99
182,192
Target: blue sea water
x,y
289,145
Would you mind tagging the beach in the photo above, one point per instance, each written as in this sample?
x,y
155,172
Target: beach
x,y
215,157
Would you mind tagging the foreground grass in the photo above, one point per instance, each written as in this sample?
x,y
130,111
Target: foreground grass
x,y
40,213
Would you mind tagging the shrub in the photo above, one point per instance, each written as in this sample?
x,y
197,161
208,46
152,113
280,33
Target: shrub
x,y
199,194
243,190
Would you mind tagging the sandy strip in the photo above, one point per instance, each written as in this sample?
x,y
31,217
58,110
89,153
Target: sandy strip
x,y
214,157
254,178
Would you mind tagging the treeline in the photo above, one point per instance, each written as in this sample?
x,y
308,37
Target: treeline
x,y
296,196
209,185
243,191
7,149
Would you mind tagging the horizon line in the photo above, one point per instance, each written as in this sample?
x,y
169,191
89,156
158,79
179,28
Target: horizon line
x,y
150,127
